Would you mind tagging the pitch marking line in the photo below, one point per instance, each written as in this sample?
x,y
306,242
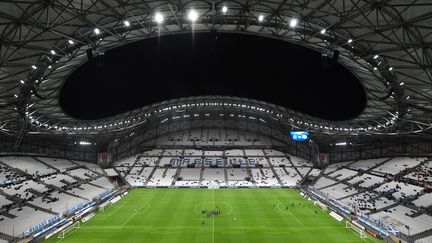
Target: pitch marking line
x,y
139,209
289,211
113,212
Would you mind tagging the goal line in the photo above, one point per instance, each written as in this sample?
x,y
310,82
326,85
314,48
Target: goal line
x,y
357,229
64,232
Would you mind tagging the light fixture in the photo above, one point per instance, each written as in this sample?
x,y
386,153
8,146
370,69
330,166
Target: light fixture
x,y
260,18
407,97
375,68
84,143
96,31
159,18
53,52
22,81
126,23
390,68
71,42
34,67
193,15
350,41
293,23
375,57
323,31
224,9
49,67
16,96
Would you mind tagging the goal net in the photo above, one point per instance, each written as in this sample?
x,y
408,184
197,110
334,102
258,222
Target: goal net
x,y
357,229
69,229
323,207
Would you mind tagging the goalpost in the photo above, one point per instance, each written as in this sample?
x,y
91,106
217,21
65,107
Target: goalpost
x,y
63,233
361,232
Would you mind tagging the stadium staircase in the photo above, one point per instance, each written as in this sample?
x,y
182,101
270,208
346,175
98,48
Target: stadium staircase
x,y
153,170
6,237
176,175
421,235
46,164
7,214
304,177
386,207
40,209
97,186
11,198
133,165
378,165
201,174
292,164
225,174
274,172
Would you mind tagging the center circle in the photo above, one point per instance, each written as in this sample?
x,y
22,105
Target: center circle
x,y
224,207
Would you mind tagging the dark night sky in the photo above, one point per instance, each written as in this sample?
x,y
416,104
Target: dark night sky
x,y
177,66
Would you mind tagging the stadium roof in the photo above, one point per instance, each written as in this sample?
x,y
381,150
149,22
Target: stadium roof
x,y
386,44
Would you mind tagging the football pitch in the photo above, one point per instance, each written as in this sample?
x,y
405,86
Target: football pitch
x,y
203,215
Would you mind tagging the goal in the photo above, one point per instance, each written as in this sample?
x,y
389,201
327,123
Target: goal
x,y
64,232
357,229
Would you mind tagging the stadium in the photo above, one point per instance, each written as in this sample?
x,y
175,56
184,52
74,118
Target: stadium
x,y
216,121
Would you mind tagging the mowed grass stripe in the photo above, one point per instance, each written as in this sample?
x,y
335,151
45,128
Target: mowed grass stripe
x,y
169,215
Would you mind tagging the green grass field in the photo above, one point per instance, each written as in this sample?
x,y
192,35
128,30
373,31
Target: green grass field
x,y
246,215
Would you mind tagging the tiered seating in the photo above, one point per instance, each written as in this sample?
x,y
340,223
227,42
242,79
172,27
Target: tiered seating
x,y
333,167
315,172
234,152
82,173
296,161
365,164
290,177
7,175
272,152
210,174
303,170
264,177
399,190
87,191
192,152
58,180
237,174
213,153
343,174
21,190
323,182
280,161
399,217
366,180
258,161
60,164
26,218
424,200
424,240
28,165
51,182
61,203
422,174
136,179
147,161
4,202
127,162
396,165
367,202
190,174
339,190
254,152
162,177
